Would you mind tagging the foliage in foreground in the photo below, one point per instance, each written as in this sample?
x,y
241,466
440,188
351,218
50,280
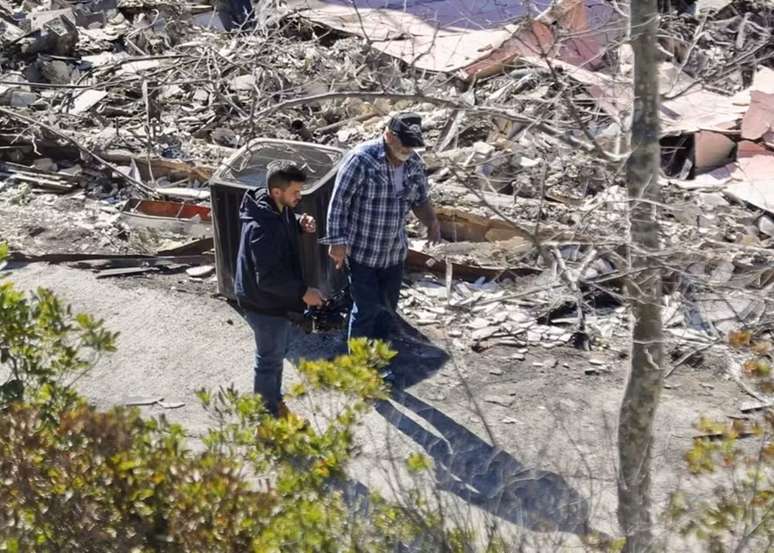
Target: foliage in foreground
x,y
78,479
737,460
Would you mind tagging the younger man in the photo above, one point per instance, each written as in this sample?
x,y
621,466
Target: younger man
x,y
268,279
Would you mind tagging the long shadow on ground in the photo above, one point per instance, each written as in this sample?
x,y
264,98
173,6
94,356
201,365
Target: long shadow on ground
x,y
418,358
488,477
467,466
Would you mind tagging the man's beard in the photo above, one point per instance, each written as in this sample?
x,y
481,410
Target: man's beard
x,y
401,156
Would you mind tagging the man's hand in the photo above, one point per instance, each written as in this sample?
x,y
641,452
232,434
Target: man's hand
x,y
434,232
313,297
338,254
426,214
308,224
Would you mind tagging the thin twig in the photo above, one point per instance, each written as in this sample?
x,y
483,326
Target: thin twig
x,y
564,136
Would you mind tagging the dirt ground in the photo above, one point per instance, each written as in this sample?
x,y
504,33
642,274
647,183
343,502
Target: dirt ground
x,y
508,436
522,437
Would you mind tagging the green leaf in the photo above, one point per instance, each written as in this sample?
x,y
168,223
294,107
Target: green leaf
x,y
204,397
129,464
418,462
297,390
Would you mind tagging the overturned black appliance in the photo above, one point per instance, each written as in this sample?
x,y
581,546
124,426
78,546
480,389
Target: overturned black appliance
x,y
246,169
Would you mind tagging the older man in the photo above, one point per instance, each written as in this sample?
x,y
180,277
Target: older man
x,y
378,183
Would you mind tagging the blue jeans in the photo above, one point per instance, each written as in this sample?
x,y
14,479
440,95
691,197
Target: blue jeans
x,y
271,345
375,294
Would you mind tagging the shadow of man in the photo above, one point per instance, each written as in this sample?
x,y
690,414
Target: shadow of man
x,y
467,466
488,477
417,357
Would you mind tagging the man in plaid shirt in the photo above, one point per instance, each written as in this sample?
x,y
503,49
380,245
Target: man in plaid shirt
x,y
377,184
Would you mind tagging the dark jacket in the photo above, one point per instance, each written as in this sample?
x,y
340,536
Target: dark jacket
x,y
268,275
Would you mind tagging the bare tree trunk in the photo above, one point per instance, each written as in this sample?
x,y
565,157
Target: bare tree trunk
x,y
635,432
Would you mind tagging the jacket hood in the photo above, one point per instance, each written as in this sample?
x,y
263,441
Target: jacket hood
x,y
257,205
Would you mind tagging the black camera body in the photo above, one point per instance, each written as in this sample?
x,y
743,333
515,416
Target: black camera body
x,y
332,315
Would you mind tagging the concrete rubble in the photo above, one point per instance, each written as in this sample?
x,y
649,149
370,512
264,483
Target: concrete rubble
x,y
144,99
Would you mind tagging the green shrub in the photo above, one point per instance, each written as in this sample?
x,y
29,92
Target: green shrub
x,y
78,479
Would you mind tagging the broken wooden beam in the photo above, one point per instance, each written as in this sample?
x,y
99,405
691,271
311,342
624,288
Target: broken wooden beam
x,y
159,167
423,262
116,260
198,246
126,271
38,178
461,226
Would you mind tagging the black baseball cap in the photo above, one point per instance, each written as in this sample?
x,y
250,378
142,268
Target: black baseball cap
x,y
407,127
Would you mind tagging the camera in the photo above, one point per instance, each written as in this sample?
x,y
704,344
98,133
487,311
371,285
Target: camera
x,y
331,315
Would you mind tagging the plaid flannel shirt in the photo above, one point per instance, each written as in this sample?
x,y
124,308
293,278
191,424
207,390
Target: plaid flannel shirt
x,y
368,212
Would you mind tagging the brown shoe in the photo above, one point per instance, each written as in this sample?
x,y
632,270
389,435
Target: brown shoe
x,y
284,412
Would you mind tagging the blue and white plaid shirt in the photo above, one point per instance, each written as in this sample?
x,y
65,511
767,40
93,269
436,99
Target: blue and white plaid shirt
x,y
368,211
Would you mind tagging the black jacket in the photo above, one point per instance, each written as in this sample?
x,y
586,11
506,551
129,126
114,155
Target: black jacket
x,y
268,275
